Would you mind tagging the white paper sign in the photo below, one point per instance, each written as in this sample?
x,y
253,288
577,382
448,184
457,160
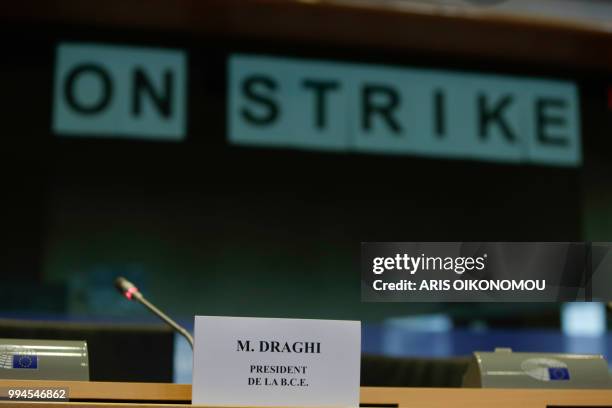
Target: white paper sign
x,y
344,107
242,361
120,92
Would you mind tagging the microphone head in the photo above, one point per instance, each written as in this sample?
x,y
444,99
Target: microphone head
x,y
125,287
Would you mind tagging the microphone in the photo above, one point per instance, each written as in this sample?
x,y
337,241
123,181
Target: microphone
x,y
131,292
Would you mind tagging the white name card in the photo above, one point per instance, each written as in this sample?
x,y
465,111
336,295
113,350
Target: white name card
x,y
242,361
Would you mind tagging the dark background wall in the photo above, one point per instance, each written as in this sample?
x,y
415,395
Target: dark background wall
x,y
209,228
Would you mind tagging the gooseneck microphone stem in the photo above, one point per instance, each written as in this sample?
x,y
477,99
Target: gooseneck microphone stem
x,y
131,292
165,318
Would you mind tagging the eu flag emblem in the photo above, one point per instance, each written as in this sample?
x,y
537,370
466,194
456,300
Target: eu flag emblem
x,y
25,361
558,374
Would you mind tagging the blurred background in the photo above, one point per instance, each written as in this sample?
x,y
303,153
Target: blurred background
x,y
209,228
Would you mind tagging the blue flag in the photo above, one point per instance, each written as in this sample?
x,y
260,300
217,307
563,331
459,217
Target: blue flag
x,y
25,361
558,374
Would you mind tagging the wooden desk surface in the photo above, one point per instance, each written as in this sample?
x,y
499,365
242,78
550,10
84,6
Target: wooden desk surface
x,y
100,394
